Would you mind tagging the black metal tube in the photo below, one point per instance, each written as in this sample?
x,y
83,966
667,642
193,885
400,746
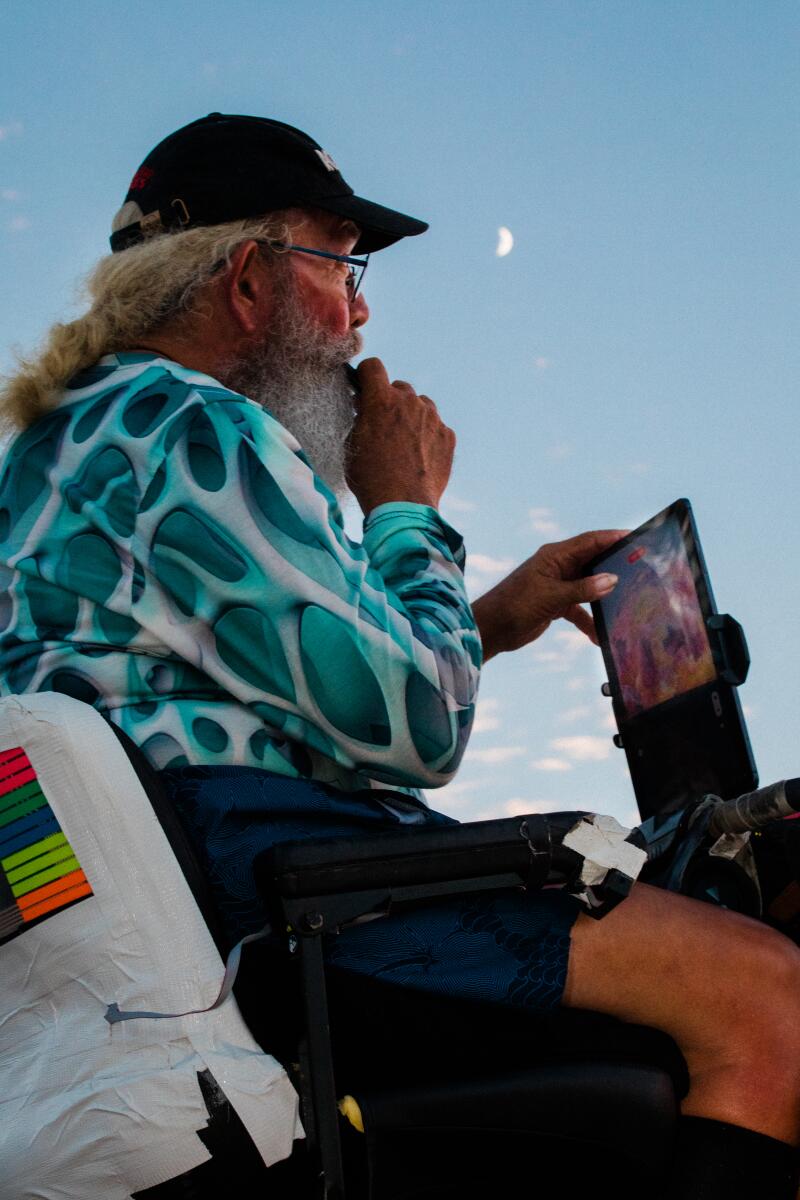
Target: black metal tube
x,y
321,1083
756,809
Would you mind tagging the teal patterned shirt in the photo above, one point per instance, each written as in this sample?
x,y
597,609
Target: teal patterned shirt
x,y
168,555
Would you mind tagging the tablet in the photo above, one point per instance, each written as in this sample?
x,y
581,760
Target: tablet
x,y
673,667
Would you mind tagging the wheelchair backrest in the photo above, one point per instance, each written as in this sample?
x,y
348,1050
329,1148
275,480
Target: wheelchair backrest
x,y
94,912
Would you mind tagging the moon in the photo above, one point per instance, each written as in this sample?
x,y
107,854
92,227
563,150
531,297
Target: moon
x,y
505,242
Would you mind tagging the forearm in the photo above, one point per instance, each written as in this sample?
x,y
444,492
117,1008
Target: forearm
x,y
490,626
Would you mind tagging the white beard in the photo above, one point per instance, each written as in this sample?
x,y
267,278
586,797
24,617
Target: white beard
x,y
296,373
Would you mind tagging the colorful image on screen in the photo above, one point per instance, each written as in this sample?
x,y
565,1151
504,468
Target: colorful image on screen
x,y
655,626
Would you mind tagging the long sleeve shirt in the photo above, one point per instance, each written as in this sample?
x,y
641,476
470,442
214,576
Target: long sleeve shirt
x,y
168,555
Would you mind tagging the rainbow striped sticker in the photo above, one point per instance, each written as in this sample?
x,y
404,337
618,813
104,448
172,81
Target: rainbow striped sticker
x,y
39,873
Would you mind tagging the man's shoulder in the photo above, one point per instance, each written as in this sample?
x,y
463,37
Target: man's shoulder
x,y
149,399
144,387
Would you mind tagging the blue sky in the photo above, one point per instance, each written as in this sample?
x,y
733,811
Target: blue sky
x,y
640,342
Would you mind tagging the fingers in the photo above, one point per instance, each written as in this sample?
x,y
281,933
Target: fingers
x,y
569,594
582,620
594,587
574,552
400,447
372,373
376,385
411,396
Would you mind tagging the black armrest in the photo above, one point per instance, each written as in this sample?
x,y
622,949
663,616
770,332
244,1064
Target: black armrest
x,y
414,863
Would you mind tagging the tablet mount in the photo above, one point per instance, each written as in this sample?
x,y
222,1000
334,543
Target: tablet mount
x,y
729,647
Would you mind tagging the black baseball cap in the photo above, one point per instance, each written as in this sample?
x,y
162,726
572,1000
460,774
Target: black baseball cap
x,y
226,168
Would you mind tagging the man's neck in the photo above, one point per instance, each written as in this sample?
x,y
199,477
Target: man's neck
x,y
189,354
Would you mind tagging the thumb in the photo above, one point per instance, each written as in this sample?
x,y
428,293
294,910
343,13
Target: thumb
x,y
594,587
565,594
372,376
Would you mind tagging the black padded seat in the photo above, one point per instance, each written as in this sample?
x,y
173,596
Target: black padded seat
x,y
478,1094
597,1127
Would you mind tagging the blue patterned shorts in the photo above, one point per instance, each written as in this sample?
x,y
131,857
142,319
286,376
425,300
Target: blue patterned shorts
x,y
507,948
494,947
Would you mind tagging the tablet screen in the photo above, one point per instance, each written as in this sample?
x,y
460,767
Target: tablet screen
x,y
654,623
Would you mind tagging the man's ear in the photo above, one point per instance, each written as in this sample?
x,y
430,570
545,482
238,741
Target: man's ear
x,y
247,288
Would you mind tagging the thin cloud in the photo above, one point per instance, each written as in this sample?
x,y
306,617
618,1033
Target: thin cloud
x,y
607,720
519,806
459,795
9,194
18,224
560,650
550,658
542,364
486,717
622,472
458,504
577,684
543,521
483,570
11,129
551,764
569,716
494,754
485,564
583,747
598,712
560,451
460,787
572,640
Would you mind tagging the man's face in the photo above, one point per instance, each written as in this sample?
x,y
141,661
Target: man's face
x,y
311,330
321,283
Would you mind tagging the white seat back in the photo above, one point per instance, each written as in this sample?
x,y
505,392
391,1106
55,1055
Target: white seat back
x,y
94,911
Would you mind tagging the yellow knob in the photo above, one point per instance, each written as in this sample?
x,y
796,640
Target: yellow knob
x,y
348,1107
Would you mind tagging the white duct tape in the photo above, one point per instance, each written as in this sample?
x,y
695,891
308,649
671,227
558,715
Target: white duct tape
x,y
601,842
729,845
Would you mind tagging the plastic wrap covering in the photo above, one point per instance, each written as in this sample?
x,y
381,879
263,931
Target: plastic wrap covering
x,y
94,910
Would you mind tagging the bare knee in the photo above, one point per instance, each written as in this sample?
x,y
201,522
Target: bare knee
x,y
760,1001
726,988
744,1066
708,977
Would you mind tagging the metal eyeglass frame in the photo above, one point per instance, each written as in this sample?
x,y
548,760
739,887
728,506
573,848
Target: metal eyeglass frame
x,y
353,280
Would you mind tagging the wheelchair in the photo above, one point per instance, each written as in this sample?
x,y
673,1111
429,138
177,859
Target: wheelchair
x,y
377,1095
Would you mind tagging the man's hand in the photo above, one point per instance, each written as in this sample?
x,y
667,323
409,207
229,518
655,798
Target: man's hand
x,y
400,449
544,587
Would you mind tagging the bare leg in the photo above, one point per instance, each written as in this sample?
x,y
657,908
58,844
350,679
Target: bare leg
x,y
726,988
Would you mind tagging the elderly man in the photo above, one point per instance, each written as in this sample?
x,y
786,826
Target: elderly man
x,y
175,555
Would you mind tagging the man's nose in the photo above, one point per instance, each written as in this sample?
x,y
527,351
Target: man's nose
x,y
359,311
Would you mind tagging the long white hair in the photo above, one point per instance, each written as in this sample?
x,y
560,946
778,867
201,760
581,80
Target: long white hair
x,y
130,294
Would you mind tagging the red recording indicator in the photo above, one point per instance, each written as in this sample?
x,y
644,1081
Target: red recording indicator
x,y
636,554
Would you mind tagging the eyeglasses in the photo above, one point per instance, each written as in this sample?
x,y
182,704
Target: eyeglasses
x,y
355,266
